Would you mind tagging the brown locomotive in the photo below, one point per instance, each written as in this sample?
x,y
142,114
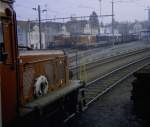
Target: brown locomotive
x,y
33,84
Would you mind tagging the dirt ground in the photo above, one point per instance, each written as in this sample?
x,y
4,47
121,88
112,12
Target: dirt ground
x,y
114,109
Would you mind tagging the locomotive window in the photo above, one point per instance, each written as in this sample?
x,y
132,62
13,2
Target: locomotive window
x,y
1,41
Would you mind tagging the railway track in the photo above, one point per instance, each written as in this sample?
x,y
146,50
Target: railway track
x,y
111,58
103,84
100,86
102,62
83,53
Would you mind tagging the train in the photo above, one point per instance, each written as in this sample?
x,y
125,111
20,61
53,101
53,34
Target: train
x,y
83,41
35,85
72,41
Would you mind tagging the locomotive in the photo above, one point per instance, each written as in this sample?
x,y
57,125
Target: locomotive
x,y
34,85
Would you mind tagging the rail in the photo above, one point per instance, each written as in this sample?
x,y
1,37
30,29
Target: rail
x,y
99,87
111,57
99,62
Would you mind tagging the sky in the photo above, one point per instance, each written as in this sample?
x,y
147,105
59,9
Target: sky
x,y
124,10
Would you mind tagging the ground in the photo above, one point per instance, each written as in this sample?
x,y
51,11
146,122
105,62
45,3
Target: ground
x,y
114,109
103,52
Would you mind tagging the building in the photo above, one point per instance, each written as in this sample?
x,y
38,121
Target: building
x,y
64,31
51,29
28,31
33,37
145,35
75,27
22,32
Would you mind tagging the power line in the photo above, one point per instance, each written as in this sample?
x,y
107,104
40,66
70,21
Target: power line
x,y
76,17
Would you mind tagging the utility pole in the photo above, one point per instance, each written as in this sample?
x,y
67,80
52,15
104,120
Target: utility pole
x,y
29,36
113,2
39,23
40,35
113,21
100,9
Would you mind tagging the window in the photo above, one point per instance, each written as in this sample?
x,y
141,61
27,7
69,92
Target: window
x,y
1,41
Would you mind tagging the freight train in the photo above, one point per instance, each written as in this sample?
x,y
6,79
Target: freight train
x,y
88,41
34,85
74,41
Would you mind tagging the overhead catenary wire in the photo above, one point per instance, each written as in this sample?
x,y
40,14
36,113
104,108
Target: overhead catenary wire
x,y
76,17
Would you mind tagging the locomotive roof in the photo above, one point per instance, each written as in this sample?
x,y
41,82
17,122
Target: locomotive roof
x,y
41,52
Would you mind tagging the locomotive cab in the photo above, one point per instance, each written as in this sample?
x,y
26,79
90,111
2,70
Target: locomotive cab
x,y
34,85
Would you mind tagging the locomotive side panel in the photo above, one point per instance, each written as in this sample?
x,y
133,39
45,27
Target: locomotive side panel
x,y
54,68
9,94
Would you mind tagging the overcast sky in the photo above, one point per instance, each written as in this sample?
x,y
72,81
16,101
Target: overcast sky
x,y
124,11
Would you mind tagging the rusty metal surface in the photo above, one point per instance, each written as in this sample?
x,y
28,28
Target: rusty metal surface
x,y
28,77
8,71
52,67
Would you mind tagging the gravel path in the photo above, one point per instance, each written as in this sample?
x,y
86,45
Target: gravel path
x,y
114,109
